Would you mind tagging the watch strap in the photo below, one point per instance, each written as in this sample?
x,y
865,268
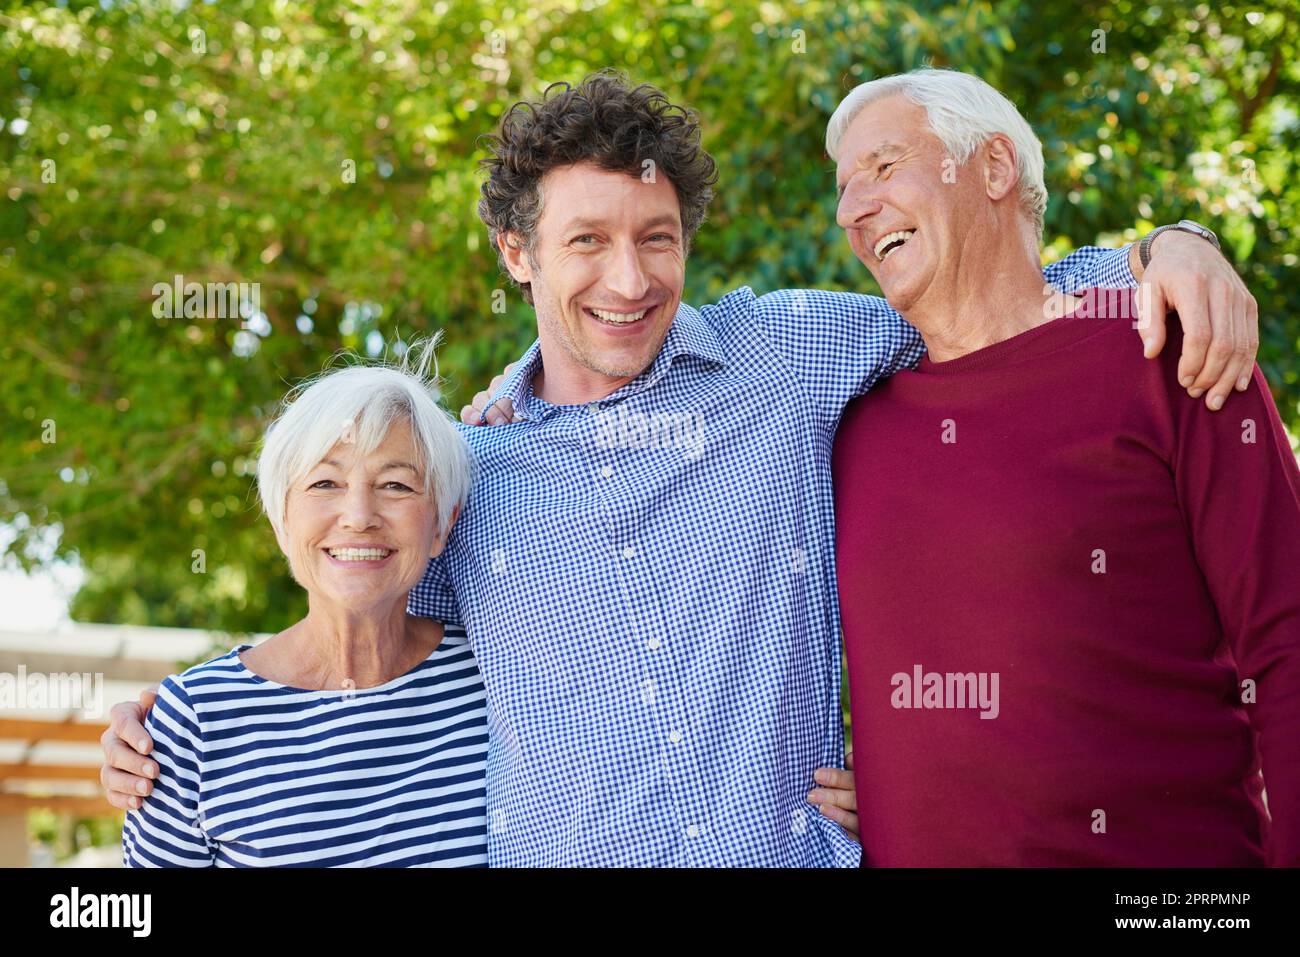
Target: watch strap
x,y
1144,247
1183,225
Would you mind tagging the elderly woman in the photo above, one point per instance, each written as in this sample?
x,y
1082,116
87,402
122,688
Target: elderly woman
x,y
357,736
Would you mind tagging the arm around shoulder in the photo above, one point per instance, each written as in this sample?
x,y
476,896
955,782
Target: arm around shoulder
x,y
166,831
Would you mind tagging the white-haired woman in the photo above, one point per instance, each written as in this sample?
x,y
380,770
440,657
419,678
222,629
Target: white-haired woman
x,y
358,735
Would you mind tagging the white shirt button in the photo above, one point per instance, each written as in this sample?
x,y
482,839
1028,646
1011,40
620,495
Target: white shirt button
x,y
606,471
675,737
692,831
628,551
654,644
593,407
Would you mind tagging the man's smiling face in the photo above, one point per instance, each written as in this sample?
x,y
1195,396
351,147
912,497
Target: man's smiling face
x,y
607,270
905,220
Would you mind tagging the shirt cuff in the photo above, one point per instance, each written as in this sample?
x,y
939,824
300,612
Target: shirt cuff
x,y
1115,266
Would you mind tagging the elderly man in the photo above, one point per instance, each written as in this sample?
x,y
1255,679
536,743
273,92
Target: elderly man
x,y
1071,595
644,567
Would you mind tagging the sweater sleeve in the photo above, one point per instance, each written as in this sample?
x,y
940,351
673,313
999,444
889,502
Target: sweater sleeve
x,y
166,830
1239,490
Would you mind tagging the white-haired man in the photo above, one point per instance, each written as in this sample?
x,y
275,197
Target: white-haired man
x,y
1070,594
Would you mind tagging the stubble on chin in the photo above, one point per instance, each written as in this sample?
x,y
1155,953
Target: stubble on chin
x,y
590,359
595,364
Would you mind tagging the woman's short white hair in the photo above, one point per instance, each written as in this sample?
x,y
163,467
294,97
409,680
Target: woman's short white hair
x,y
963,111
360,403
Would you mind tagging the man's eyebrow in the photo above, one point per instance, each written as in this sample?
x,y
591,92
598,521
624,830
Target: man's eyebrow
x,y
889,146
886,147
583,222
666,219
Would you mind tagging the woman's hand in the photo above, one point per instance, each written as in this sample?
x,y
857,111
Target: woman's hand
x,y
837,798
503,413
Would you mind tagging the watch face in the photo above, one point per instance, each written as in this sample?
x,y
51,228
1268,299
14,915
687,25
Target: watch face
x,y
1190,225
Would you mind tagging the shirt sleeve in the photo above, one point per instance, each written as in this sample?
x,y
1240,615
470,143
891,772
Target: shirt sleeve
x,y
1239,489
432,596
838,345
1092,266
166,830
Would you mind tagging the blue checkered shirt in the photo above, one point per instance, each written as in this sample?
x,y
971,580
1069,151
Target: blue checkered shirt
x,y
648,584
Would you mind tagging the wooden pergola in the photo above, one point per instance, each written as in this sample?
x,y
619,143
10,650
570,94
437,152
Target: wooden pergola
x,y
16,796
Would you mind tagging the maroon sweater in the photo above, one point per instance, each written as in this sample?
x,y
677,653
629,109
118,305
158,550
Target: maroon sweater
x,y
1053,513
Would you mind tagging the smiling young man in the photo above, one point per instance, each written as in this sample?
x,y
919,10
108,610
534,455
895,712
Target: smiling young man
x,y
654,613
603,309
1080,643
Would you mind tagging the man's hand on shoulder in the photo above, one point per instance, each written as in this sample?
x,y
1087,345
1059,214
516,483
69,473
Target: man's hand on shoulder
x,y
1219,316
126,773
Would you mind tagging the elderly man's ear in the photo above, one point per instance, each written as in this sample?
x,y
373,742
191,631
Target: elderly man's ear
x,y
512,251
1001,175
441,541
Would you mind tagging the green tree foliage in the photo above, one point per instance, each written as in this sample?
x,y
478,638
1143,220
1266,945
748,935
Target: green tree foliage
x,y
327,151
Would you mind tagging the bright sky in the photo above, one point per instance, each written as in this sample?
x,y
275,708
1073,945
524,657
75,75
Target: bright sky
x,y
38,601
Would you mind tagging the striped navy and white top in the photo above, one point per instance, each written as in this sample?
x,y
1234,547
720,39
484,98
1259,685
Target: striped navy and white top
x,y
253,773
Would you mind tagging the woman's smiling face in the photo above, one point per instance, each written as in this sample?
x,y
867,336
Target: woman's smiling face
x,y
359,529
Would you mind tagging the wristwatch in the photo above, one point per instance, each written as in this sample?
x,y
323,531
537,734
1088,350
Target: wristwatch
x,y
1187,226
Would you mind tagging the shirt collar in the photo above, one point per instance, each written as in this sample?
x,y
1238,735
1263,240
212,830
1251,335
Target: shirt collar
x,y
518,383
691,335
688,335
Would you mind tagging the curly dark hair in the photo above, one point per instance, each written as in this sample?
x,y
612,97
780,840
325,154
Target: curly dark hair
x,y
603,120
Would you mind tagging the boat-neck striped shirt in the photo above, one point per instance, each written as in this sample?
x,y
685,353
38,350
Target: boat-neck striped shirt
x,y
253,773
